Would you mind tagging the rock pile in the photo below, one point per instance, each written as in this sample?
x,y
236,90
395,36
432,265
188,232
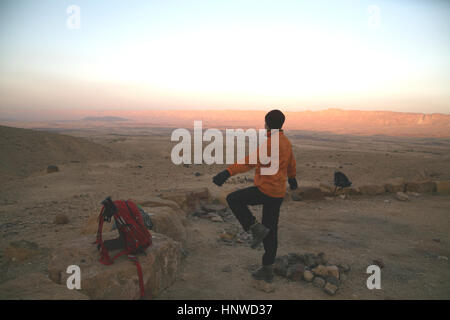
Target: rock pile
x,y
312,268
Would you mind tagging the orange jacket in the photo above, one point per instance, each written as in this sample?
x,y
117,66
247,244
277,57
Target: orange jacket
x,y
271,185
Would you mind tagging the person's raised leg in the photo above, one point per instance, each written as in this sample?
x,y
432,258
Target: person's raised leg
x,y
239,201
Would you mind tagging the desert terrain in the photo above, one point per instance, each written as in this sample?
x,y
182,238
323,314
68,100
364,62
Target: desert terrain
x,y
411,238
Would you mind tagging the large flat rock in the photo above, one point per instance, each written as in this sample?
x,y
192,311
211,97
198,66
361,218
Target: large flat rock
x,y
160,266
37,286
169,222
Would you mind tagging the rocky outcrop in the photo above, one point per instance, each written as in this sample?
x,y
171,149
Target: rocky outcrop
x,y
307,193
188,199
421,186
372,190
395,185
37,286
167,221
160,266
152,202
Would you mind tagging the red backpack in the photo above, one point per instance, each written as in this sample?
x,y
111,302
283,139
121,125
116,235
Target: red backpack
x,y
134,236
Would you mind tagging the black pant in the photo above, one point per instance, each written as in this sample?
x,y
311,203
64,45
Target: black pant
x,y
239,201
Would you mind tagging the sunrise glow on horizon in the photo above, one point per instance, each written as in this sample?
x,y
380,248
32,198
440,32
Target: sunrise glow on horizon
x,y
302,55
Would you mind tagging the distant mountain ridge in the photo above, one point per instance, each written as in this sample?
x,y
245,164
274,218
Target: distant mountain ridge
x,y
104,119
331,120
337,121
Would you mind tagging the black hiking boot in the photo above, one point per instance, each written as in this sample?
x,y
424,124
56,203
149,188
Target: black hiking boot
x,y
264,273
259,232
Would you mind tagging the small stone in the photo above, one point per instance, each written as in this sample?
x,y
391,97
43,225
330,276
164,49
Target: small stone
x,y
262,285
319,282
227,236
378,262
401,196
51,169
333,281
343,268
321,258
214,207
310,260
443,258
330,289
333,271
295,272
320,270
216,219
197,174
437,240
308,276
61,219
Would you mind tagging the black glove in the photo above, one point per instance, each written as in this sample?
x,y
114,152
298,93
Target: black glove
x,y
220,178
292,183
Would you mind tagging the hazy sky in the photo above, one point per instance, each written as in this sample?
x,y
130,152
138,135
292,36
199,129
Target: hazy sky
x,y
296,55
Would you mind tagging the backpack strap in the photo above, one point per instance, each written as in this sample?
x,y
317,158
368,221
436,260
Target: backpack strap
x,y
135,260
104,254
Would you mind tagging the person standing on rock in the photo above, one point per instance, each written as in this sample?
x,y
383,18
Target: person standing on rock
x,y
269,191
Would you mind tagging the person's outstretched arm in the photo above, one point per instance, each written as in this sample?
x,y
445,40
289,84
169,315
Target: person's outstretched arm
x,y
234,169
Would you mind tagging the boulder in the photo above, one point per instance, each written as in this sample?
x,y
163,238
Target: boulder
x,y
37,286
307,193
160,266
371,190
330,289
395,185
295,272
308,276
320,270
169,222
91,224
188,199
151,202
319,282
333,271
421,186
443,187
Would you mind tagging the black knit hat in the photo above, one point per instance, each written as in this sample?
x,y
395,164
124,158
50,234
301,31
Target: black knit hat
x,y
275,119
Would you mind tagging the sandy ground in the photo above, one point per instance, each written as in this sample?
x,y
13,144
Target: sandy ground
x,y
412,238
